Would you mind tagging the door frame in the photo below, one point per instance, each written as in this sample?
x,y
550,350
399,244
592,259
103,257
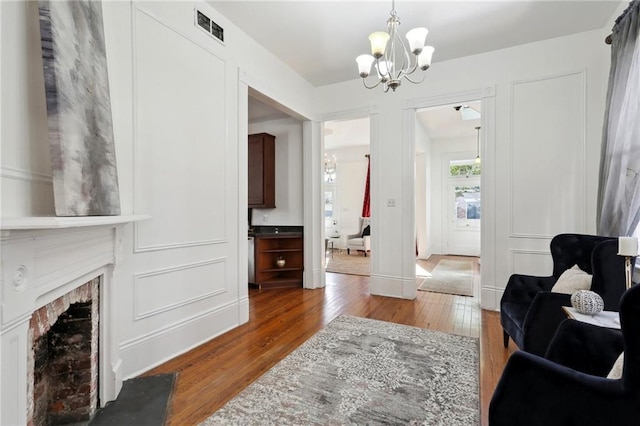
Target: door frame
x,y
486,95
371,113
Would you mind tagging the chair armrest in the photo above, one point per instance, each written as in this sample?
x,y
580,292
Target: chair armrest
x,y
585,347
535,391
542,320
523,288
350,236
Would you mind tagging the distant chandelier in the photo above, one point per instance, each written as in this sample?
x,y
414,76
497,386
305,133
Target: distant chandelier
x,y
389,50
330,168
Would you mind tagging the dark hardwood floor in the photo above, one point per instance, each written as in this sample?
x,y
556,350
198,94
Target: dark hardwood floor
x,y
282,319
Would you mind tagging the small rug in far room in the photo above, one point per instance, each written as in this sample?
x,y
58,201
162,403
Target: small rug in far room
x,y
359,371
451,277
354,264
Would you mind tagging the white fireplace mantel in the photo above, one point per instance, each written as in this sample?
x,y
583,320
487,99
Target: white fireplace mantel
x,y
41,259
60,222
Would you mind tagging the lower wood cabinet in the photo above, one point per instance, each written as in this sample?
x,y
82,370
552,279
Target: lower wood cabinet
x,y
271,273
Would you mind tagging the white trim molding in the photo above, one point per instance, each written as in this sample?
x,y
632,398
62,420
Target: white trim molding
x,y
488,182
581,155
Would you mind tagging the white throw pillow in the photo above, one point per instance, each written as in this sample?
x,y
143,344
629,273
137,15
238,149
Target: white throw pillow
x,y
616,370
572,280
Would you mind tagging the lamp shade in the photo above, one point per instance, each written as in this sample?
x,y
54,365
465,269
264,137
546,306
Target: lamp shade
x,y
628,246
378,42
416,38
364,64
384,69
424,58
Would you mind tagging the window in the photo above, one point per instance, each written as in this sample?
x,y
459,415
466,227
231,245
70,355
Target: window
x,y
467,203
464,168
329,197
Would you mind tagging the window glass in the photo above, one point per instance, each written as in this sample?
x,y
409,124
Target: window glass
x,y
467,203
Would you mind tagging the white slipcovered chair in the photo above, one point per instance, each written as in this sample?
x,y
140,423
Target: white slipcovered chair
x,y
359,242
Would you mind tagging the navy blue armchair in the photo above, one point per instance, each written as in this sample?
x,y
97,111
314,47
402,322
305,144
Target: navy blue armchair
x,y
530,313
569,385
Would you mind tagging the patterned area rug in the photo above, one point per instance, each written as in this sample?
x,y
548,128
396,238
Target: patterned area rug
x,y
343,263
451,277
363,371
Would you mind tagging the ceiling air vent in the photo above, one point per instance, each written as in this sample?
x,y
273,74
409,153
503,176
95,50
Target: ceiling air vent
x,y
207,24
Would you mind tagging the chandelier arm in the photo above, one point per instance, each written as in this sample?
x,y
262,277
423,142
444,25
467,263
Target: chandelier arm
x,y
390,54
406,76
410,71
364,82
406,64
382,75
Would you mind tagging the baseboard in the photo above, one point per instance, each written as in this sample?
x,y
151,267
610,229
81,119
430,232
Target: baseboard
x,y
154,348
392,286
490,298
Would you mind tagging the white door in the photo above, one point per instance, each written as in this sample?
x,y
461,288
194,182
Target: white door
x,y
464,208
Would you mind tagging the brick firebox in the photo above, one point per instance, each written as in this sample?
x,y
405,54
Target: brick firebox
x,y
63,365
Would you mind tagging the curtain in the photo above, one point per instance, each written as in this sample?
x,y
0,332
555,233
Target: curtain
x,y
619,191
366,203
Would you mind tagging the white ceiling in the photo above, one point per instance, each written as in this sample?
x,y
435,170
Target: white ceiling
x,y
444,122
320,39
346,133
260,111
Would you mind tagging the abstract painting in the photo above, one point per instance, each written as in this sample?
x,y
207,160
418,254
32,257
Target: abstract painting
x,y
85,180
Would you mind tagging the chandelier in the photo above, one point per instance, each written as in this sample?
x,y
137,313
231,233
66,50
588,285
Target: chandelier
x,y
393,61
330,168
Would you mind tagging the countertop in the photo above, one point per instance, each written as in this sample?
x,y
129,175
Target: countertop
x,y
275,231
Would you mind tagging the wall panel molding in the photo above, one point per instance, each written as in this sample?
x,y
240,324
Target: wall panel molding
x,y
192,169
25,175
556,105
531,262
157,346
139,291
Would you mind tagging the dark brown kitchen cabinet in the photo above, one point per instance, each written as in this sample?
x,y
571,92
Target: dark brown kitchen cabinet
x,y
262,178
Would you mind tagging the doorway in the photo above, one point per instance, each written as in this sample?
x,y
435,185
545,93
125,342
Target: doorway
x,y
345,172
448,182
275,156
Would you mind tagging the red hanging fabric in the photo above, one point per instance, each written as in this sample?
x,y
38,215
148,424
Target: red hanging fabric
x,y
366,204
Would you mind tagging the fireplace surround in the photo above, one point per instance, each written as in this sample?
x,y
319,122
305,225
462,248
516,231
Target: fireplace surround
x,y
42,260
62,367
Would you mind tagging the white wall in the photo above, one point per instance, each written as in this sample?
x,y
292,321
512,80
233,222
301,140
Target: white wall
x,y
180,138
26,183
423,191
288,170
188,163
549,102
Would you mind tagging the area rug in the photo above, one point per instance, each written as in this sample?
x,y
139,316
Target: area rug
x,y
362,371
343,263
451,277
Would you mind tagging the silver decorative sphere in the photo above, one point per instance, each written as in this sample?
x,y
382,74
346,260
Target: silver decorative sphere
x,y
587,302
